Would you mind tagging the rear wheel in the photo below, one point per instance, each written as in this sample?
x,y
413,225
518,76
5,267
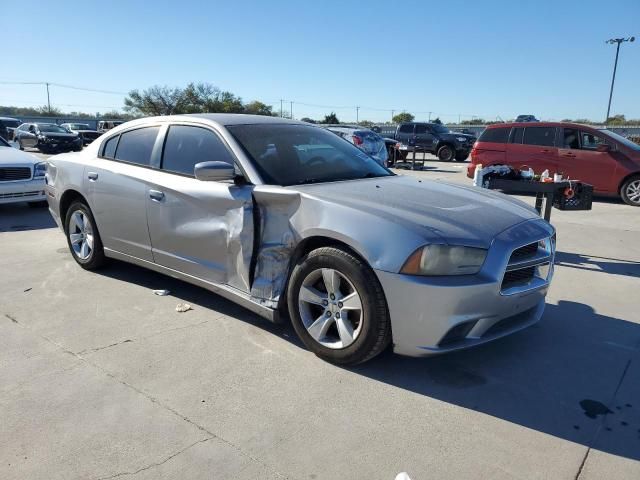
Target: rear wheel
x,y
337,307
630,191
83,237
461,156
446,153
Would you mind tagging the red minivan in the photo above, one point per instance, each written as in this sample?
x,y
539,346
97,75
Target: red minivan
x,y
606,160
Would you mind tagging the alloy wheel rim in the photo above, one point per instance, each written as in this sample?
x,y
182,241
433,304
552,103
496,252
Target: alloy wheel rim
x,y
330,308
81,235
633,191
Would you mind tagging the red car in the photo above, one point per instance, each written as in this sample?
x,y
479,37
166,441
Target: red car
x,y
606,160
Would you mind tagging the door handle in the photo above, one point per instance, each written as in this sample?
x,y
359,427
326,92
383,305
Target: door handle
x,y
545,150
156,195
570,155
92,176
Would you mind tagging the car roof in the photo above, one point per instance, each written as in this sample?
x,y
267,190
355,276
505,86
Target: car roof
x,y
539,124
10,118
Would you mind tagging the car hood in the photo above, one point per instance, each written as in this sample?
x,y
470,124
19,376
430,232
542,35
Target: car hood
x,y
14,157
58,135
439,211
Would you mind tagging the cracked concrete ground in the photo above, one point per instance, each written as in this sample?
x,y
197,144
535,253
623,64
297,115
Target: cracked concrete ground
x,y
100,378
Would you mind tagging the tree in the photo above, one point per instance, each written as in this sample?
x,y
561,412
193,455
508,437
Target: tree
x,y
308,120
474,121
616,120
156,100
366,123
258,108
437,121
331,118
403,117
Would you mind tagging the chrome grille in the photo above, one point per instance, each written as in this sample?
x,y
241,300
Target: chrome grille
x,y
529,267
10,174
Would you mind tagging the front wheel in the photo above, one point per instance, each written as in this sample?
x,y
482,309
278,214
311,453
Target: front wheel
x,y
337,307
83,237
630,191
446,153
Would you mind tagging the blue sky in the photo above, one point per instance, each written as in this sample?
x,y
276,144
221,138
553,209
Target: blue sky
x,y
482,58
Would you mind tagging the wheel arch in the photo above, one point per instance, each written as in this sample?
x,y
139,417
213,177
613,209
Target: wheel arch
x,y
67,198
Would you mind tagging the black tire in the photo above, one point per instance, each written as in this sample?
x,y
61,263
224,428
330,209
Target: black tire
x,y
40,204
629,189
461,156
375,332
96,258
446,153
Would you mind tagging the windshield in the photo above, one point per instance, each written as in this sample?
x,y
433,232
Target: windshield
x,y
3,143
623,140
297,154
79,126
43,127
10,123
440,128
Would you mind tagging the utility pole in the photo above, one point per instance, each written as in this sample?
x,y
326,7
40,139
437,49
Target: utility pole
x,y
357,115
430,116
281,100
392,115
458,119
291,110
48,100
617,41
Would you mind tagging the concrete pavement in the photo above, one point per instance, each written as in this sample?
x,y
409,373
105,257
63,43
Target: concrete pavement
x,y
100,378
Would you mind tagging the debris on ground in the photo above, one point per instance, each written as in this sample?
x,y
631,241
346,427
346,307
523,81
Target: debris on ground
x,y
27,289
162,293
183,307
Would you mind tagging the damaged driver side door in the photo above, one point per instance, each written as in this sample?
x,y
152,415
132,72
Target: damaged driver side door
x,y
200,228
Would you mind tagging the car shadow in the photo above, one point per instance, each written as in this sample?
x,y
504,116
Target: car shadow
x,y
19,217
559,377
593,263
196,296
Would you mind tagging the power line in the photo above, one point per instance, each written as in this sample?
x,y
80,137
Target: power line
x,y
61,85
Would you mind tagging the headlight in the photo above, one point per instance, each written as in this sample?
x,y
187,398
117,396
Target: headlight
x,y
39,169
445,260
461,139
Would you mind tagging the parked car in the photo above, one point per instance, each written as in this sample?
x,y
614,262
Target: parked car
x,y
7,127
21,176
47,137
604,159
526,118
363,138
84,131
106,125
433,138
276,214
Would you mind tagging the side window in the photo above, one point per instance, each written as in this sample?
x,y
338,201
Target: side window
x,y
495,135
543,136
406,128
590,141
421,129
136,146
185,146
517,135
110,147
570,138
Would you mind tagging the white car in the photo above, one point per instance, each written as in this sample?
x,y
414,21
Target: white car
x,y
21,176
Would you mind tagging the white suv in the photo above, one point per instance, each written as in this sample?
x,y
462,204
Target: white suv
x,y
21,176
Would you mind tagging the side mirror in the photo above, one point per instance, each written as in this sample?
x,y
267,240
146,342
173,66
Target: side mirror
x,y
603,147
214,171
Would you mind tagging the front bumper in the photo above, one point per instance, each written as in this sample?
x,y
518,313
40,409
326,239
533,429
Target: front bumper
x,y
432,315
22,191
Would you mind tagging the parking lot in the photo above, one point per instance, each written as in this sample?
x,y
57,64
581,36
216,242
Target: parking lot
x,y
102,379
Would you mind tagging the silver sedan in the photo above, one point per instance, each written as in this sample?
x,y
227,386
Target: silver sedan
x,y
289,220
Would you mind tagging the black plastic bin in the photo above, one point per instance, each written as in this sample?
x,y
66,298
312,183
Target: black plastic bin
x,y
582,198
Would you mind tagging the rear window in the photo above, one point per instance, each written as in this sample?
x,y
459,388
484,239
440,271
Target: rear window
x,y
406,129
517,134
136,146
495,135
110,147
544,136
